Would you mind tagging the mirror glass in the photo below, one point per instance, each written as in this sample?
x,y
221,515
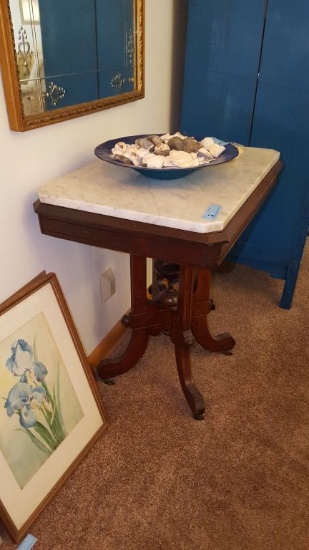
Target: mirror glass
x,y
67,58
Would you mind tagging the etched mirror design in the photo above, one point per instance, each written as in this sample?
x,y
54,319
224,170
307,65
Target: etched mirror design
x,y
66,58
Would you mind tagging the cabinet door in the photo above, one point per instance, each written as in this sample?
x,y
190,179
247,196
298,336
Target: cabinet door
x,y
247,80
222,59
275,239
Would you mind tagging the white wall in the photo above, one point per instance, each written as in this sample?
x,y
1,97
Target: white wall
x,y
31,158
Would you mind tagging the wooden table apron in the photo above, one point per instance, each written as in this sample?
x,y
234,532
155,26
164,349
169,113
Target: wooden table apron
x,y
196,253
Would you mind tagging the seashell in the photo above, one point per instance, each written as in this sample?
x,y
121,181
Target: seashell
x,y
175,143
141,153
145,143
183,159
207,141
203,159
205,152
131,154
191,145
120,146
215,149
154,139
166,137
137,161
168,162
153,161
162,149
122,158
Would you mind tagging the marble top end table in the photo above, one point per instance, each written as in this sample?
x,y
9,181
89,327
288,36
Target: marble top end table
x,y
191,222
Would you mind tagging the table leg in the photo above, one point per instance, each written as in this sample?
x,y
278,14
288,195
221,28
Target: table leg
x,y
201,307
108,368
145,318
181,335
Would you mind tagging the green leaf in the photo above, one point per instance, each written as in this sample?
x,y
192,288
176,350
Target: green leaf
x,y
55,419
58,422
57,429
46,435
48,394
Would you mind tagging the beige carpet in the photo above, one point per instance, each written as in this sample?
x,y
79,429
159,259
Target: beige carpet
x,y
157,479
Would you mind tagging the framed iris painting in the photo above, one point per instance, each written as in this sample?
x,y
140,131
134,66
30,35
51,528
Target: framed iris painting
x,y
51,412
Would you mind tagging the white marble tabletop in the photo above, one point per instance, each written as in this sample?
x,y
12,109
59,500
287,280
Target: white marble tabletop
x,y
111,190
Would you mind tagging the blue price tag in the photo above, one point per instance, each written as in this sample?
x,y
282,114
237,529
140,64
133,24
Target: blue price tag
x,y
212,212
27,543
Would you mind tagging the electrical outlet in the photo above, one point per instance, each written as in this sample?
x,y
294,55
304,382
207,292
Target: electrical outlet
x,y
108,284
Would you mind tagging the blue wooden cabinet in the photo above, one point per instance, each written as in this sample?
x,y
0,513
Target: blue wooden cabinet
x,y
247,81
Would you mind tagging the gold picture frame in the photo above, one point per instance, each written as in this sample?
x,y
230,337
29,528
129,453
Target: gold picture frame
x,y
17,100
51,412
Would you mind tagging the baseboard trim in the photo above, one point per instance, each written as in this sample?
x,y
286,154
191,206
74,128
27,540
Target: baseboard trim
x,y
105,347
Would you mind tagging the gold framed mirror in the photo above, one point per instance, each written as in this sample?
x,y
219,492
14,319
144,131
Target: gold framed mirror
x,y
62,59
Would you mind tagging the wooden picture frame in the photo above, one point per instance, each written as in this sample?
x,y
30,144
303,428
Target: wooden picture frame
x,y
17,96
51,412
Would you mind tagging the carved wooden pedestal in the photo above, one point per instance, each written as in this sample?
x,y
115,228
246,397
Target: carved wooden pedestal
x,y
185,321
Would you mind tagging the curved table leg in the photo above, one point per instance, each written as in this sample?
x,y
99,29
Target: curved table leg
x,y
192,394
182,338
201,307
145,319
134,351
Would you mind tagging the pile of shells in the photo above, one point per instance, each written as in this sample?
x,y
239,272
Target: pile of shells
x,y
168,151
